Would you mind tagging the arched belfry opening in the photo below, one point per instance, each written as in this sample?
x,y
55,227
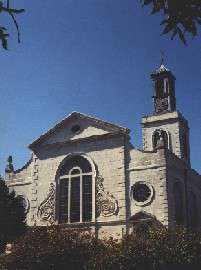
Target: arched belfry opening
x,y
75,190
159,135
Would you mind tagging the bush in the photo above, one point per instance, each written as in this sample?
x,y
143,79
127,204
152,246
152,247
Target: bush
x,y
12,216
157,249
53,247
59,248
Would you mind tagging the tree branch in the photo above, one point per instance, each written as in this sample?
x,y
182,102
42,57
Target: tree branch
x,y
3,31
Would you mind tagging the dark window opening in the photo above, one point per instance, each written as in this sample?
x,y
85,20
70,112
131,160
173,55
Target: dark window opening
x,y
141,192
63,200
87,198
76,129
75,200
77,161
160,135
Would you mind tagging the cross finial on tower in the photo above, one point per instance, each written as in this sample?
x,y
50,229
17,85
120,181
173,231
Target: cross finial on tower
x,y
162,67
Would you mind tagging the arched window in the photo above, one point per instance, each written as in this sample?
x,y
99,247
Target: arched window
x,y
178,202
158,135
160,88
192,210
75,190
166,86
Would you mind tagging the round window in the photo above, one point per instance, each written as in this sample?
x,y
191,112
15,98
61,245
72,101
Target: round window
x,y
76,129
142,193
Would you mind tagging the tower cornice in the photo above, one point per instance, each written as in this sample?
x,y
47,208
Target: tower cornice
x,y
169,116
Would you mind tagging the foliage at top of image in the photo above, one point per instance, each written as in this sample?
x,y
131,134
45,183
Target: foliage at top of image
x,y
6,8
180,16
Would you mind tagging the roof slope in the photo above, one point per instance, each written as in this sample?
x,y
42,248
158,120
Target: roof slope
x,y
76,115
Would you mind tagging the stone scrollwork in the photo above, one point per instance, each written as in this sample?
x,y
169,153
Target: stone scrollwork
x,y
106,203
46,210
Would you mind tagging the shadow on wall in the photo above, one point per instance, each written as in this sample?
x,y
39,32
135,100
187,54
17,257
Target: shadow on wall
x,y
142,222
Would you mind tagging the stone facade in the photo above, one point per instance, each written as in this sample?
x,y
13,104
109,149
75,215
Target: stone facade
x,y
128,186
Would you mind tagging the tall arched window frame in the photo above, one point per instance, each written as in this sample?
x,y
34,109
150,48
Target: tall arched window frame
x,y
76,190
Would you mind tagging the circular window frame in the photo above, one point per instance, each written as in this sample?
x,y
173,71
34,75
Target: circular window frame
x,y
150,198
76,126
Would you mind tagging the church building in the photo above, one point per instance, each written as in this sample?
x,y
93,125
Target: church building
x,y
84,172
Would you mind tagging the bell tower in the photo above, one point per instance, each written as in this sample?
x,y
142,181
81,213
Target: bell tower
x,y
166,120
164,99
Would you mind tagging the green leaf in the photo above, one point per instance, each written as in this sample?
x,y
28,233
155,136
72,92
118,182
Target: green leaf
x,y
4,43
164,22
175,32
168,27
181,36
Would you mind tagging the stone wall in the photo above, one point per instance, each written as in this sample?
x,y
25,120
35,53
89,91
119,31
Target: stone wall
x,y
107,154
150,168
21,182
179,171
175,126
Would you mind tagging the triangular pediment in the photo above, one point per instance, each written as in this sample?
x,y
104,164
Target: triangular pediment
x,y
77,126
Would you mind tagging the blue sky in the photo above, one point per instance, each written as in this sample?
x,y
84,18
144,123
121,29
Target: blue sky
x,y
92,56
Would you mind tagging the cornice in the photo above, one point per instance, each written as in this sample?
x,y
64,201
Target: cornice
x,y
82,140
169,117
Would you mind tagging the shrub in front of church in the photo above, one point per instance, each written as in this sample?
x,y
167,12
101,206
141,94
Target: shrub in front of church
x,y
53,247
56,247
162,249
12,216
158,249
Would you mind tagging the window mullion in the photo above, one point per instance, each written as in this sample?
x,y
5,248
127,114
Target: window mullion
x,y
81,197
74,175
93,198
